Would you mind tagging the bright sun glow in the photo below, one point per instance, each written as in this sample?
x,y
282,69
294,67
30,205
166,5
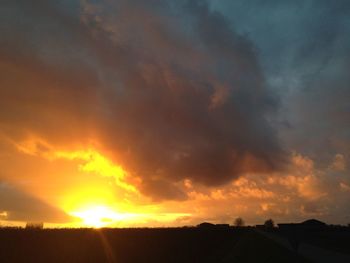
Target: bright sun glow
x,y
95,162
100,193
104,216
98,216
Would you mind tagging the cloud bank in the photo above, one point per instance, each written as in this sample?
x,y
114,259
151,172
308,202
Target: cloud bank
x,y
172,92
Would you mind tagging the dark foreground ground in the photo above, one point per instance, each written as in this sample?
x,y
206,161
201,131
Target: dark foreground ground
x,y
141,245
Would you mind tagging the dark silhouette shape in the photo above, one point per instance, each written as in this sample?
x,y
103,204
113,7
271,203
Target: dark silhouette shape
x,y
269,224
297,232
34,225
206,243
206,225
306,225
313,223
239,222
171,245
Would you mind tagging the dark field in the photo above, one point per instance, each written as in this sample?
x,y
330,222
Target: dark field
x,y
140,245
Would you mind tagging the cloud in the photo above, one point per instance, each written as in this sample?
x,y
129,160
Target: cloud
x,y
172,92
300,192
304,50
339,163
19,206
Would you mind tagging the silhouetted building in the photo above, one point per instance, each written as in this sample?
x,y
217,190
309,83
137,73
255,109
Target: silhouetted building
x,y
308,224
313,223
34,225
206,225
296,232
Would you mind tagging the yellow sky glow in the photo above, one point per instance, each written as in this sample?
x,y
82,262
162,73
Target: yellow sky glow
x,y
104,197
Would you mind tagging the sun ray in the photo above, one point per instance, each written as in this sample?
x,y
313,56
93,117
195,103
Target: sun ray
x,y
99,216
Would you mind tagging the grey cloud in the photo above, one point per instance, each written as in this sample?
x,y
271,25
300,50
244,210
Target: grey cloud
x,y
165,110
160,189
174,91
304,50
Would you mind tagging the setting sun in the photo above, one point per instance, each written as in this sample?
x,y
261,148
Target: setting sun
x,y
98,216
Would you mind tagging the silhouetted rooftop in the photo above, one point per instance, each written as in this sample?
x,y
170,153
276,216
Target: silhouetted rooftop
x,y
205,225
313,222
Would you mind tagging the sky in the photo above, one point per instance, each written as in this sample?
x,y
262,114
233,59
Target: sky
x,y
169,113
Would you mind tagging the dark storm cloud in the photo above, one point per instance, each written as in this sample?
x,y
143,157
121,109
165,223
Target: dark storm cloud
x,y
160,189
322,62
170,88
305,47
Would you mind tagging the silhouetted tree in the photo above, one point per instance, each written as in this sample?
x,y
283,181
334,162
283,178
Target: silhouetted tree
x,y
269,224
239,222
